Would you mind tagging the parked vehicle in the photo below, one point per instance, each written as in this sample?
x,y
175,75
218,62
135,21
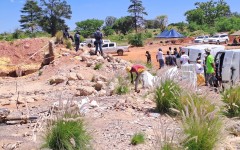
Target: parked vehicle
x,y
201,39
219,38
90,42
194,51
112,47
227,64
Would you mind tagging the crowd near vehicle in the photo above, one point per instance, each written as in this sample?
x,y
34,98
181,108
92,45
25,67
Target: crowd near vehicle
x,y
199,50
201,39
218,38
112,47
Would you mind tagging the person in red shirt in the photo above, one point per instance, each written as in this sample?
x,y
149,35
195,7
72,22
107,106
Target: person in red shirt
x,y
138,69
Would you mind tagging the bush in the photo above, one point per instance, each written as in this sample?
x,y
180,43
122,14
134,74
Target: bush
x,y
167,96
232,99
136,40
67,135
68,44
148,35
201,124
122,87
98,66
138,138
59,37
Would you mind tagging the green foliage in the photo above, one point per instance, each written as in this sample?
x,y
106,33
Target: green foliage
x,y
108,31
168,146
232,99
55,13
137,138
136,39
167,96
31,15
122,87
110,20
98,66
40,72
88,27
149,65
123,25
18,34
147,35
201,123
225,24
69,135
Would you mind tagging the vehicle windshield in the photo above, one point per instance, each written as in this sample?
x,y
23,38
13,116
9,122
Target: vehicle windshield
x,y
215,36
200,37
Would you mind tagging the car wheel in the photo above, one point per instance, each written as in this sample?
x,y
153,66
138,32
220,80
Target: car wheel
x,y
120,52
89,45
226,41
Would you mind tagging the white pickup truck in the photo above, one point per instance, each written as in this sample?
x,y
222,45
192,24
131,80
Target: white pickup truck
x,y
113,48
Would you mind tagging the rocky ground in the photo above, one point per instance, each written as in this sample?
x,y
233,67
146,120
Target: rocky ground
x,y
110,119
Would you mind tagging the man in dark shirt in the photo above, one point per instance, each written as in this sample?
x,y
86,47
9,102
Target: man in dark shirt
x,y
98,41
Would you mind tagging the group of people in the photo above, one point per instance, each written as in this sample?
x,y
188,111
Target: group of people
x,y
97,35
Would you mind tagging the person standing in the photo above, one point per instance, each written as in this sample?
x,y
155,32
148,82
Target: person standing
x,y
148,55
184,59
77,40
98,41
200,73
210,68
160,58
138,69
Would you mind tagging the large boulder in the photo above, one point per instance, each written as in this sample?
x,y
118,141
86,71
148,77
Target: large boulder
x,y
72,76
57,79
85,90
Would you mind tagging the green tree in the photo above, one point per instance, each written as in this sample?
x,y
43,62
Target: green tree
x,y
88,27
31,15
208,12
137,11
110,20
149,24
108,30
123,25
162,22
55,11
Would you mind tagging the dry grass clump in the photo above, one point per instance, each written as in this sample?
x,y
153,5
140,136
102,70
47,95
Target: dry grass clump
x,y
59,37
232,99
122,87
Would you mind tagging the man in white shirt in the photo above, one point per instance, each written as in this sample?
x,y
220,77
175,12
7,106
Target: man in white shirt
x,y
160,58
184,58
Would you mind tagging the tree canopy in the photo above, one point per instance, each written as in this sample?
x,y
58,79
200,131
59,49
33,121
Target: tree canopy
x,y
137,11
55,11
88,27
31,14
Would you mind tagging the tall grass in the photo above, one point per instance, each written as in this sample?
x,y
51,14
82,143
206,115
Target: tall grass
x,y
167,96
122,87
232,99
59,37
67,135
201,124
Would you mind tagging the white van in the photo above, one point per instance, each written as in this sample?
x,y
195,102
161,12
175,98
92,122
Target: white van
x,y
228,66
195,50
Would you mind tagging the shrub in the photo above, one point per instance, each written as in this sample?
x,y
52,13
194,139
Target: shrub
x,y
201,124
167,146
148,35
232,99
59,37
136,40
67,135
149,65
68,44
98,66
122,87
137,138
167,96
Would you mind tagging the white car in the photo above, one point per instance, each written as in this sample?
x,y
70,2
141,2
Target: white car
x,y
219,38
90,42
112,48
201,39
